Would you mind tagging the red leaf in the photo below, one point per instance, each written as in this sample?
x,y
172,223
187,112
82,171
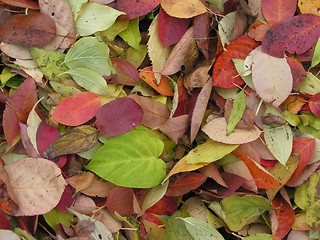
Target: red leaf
x,y
262,178
295,35
25,30
284,215
127,74
298,71
78,109
22,3
4,221
18,107
278,10
66,200
119,116
201,32
121,200
168,25
314,104
185,183
305,147
225,74
134,9
165,206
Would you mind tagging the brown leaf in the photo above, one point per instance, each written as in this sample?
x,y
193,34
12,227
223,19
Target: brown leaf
x,y
201,32
26,29
175,127
78,139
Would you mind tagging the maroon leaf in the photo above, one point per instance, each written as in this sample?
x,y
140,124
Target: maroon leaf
x,y
185,183
18,108
294,35
201,32
297,70
4,221
314,104
165,206
168,25
67,199
119,116
127,74
134,9
25,30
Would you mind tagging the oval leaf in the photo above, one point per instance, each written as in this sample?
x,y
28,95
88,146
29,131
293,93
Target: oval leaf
x,y
130,160
76,110
295,35
78,139
278,10
37,184
183,8
119,116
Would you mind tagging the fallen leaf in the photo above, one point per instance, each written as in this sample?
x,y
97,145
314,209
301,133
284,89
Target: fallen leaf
x,y
132,160
22,3
294,35
92,18
309,6
175,127
278,10
216,129
183,9
314,104
238,108
134,9
167,25
78,139
297,70
37,183
225,74
24,30
201,24
153,196
127,74
118,116
131,35
78,109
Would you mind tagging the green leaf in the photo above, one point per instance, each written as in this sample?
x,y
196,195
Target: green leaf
x,y
247,78
76,6
96,17
259,236
310,85
78,139
316,54
241,211
209,151
136,57
114,30
238,107
175,228
200,229
131,160
307,198
63,89
5,75
88,52
132,34
89,80
54,217
50,63
153,196
279,134
217,3
33,123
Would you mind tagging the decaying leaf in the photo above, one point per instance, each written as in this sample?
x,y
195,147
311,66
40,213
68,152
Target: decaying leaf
x,y
78,139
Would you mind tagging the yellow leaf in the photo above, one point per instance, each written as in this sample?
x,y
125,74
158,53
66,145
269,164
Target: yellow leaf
x,y
183,8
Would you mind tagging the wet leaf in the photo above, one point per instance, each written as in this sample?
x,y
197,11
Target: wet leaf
x,y
200,229
25,30
240,211
93,18
183,9
130,160
294,35
78,109
78,139
37,183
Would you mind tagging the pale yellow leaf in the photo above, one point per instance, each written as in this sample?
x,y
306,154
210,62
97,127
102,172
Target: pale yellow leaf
x,y
183,8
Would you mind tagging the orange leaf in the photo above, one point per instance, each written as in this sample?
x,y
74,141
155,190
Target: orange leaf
x,y
277,10
262,177
22,3
163,88
309,6
225,74
78,109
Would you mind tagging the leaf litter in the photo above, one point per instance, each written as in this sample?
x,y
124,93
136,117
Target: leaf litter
x,y
160,119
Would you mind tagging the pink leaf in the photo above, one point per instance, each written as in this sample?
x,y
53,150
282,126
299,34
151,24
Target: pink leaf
x,y
127,74
119,116
278,10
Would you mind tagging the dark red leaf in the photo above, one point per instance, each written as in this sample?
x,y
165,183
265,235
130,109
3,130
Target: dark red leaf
x,y
297,70
314,104
165,206
4,221
284,215
119,116
305,148
185,183
134,9
127,74
121,200
25,30
18,107
278,10
201,32
66,200
168,25
28,223
225,74
46,134
294,35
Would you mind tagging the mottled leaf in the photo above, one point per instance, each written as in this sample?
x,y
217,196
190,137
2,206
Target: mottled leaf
x,y
309,6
